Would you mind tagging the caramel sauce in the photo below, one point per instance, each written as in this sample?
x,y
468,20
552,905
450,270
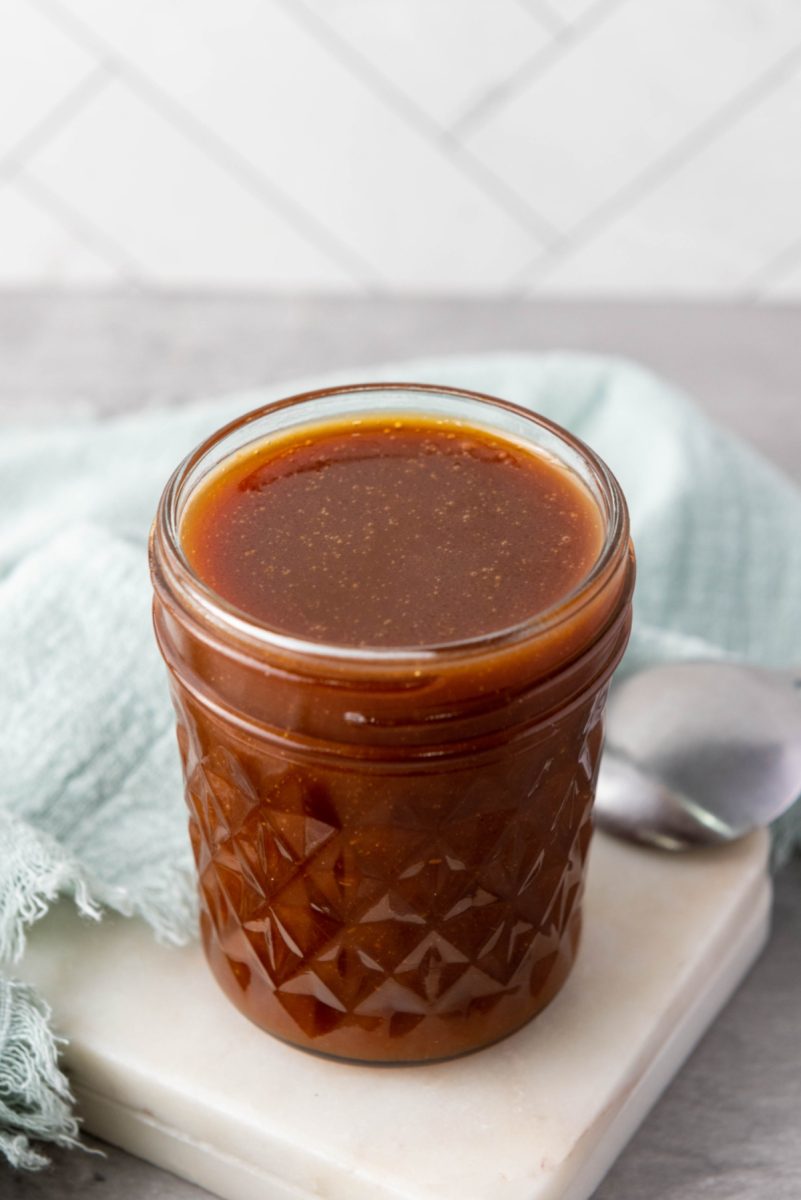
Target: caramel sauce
x,y
391,853
401,533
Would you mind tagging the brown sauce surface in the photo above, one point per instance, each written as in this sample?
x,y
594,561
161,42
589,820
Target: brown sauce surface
x,y
406,533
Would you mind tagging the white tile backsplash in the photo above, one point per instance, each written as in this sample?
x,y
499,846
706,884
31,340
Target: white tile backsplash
x,y
441,54
179,216
696,233
787,286
37,248
575,10
610,146
395,202
600,117
39,66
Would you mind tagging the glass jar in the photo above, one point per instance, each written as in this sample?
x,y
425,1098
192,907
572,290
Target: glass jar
x,y
391,844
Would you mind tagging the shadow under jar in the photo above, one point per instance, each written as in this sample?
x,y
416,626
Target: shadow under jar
x,y
391,831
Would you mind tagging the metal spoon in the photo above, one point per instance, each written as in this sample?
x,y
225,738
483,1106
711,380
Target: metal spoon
x,y
699,753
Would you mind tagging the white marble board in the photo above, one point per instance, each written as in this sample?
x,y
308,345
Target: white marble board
x,y
165,1067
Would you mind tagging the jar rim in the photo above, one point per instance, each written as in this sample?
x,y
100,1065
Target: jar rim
x,y
167,551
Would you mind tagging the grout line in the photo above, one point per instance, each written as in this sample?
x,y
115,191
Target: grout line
x,y
83,230
402,105
548,17
225,156
772,271
663,168
55,120
564,40
13,164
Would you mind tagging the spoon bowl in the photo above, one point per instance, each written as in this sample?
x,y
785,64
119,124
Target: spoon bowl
x,y
700,753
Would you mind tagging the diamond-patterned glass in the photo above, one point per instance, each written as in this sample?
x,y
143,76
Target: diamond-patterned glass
x,y
388,914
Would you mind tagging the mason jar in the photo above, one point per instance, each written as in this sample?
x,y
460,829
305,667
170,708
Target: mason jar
x,y
391,843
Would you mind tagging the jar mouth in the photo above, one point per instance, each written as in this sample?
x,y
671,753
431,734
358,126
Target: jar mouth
x,y
423,400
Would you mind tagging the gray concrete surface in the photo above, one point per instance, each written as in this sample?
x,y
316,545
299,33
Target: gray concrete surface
x,y
729,1127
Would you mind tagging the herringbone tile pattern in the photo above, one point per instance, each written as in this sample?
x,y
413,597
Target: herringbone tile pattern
x,y
518,147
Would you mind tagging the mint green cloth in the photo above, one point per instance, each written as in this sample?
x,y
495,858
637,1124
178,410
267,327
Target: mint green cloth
x,y
90,795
